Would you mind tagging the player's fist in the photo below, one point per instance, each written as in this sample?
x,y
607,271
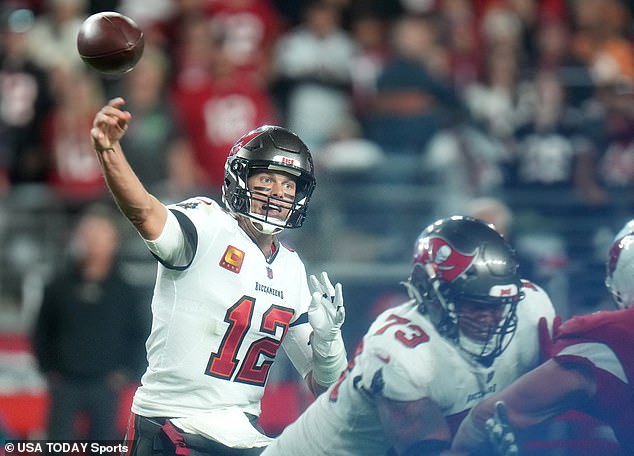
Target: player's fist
x,y
109,125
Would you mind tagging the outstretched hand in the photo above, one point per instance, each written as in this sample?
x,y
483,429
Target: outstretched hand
x,y
109,125
501,433
326,312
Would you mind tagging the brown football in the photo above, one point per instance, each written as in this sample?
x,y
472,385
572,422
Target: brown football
x,y
110,43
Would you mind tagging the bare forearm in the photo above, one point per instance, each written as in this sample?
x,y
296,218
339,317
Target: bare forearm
x,y
139,206
145,212
538,395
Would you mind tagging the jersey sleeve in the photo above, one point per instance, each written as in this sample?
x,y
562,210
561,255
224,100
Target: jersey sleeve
x,y
297,342
190,223
603,339
394,370
298,349
172,248
406,380
202,212
535,305
593,354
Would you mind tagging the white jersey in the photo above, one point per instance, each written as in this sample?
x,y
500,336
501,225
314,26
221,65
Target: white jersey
x,y
218,323
402,357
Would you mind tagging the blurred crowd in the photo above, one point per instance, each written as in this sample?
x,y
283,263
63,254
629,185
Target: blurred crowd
x,y
528,104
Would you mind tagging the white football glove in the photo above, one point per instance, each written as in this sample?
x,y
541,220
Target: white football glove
x,y
326,312
501,433
326,315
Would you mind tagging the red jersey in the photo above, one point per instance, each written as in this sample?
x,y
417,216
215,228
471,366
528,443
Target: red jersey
x,y
74,173
216,114
604,341
250,29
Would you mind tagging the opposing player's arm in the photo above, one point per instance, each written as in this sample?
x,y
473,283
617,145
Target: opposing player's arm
x,y
414,427
542,393
146,213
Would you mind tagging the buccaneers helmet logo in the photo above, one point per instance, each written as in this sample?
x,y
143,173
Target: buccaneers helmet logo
x,y
243,141
448,262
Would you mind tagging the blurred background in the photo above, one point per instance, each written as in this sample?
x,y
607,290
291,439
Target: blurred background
x,y
519,112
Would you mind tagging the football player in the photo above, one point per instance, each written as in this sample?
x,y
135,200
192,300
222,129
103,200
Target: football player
x,y
469,330
228,294
591,369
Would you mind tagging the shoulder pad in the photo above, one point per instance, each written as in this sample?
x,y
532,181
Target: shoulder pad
x,y
193,203
528,285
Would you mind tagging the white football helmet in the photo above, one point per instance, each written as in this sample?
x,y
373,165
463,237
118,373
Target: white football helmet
x,y
620,268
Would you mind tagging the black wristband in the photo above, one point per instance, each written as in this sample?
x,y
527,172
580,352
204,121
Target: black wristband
x,y
427,448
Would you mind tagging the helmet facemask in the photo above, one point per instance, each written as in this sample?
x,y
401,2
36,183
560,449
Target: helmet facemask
x,y
491,339
276,213
445,311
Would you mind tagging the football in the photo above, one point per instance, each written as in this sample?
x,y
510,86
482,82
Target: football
x,y
110,43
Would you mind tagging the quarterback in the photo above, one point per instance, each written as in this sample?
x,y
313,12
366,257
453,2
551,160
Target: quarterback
x,y
469,330
227,296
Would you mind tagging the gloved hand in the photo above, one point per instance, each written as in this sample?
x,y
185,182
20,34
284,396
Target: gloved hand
x,y
501,433
326,312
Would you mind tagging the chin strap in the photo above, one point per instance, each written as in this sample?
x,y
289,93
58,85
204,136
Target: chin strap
x,y
265,228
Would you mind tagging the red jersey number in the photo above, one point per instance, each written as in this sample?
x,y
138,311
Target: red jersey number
x,y
410,335
224,363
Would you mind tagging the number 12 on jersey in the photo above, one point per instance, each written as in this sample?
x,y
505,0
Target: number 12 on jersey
x,y
224,363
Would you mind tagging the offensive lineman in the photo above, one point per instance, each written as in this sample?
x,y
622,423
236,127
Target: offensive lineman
x,y
470,329
228,294
591,369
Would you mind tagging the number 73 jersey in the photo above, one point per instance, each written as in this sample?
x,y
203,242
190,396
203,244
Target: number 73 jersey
x,y
403,358
219,317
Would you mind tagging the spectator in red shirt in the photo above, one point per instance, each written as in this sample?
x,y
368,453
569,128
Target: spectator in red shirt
x,y
216,103
74,172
